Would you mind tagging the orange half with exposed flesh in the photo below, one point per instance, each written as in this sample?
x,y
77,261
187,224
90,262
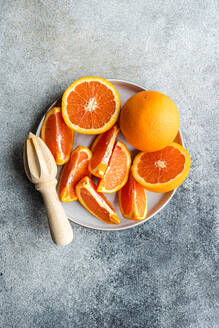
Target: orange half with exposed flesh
x,y
117,171
57,135
95,202
102,148
90,105
72,172
133,200
163,170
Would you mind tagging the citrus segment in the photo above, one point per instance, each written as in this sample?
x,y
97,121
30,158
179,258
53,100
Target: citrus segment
x,y
102,148
57,135
95,202
133,200
90,105
163,170
117,171
149,121
72,172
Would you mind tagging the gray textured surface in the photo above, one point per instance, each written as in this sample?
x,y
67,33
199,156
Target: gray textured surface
x,y
164,273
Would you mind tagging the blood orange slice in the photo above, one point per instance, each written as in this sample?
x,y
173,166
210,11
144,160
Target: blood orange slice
x,y
117,171
57,135
163,170
133,200
102,148
95,202
90,105
73,171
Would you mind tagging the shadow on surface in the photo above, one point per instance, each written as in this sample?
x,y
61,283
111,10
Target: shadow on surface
x,y
35,206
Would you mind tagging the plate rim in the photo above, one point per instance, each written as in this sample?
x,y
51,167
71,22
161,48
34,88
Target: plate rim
x,y
135,223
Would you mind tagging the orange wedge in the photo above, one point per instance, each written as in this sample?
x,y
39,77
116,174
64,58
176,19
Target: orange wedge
x,y
95,202
57,135
102,148
72,172
133,200
90,105
163,170
117,171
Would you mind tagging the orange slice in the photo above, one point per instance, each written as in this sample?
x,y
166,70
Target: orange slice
x,y
57,135
90,105
163,170
95,202
133,200
117,171
102,148
72,172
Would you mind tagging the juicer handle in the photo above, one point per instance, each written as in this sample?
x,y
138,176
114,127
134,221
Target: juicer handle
x,y
60,227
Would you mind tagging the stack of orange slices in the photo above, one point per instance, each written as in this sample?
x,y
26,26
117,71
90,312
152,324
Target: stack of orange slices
x,y
91,105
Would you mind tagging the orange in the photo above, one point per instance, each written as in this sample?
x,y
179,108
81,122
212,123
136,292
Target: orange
x,y
73,171
117,171
149,121
95,202
163,170
133,200
90,105
57,135
102,148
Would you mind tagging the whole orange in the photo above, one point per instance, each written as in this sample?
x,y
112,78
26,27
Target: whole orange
x,y
149,121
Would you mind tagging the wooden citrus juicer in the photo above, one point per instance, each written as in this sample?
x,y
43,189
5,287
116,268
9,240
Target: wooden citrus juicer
x,y
41,169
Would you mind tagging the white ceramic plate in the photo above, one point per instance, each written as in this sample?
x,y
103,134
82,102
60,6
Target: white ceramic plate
x,y
156,202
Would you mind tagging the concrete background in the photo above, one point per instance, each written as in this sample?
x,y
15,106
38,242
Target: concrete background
x,y
164,273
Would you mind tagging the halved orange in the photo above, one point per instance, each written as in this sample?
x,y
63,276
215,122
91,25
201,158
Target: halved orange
x,y
163,170
102,148
133,200
117,171
72,172
57,135
95,202
90,105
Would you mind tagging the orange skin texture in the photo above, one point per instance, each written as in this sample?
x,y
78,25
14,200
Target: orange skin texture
x,y
133,200
57,135
102,146
96,203
72,172
174,161
149,121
